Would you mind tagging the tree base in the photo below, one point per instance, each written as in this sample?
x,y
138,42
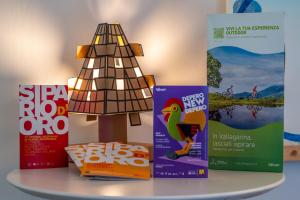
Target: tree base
x,y
112,128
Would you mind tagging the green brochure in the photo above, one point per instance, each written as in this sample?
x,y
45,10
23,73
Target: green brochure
x,y
245,62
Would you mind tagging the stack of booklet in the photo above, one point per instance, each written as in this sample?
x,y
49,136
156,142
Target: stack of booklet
x,y
111,160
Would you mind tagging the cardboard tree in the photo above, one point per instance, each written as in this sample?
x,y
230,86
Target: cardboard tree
x,y
111,83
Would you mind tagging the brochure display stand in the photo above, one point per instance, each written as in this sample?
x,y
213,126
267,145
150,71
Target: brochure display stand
x,y
65,183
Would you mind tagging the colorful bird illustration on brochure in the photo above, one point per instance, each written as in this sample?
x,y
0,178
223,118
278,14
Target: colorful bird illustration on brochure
x,y
180,131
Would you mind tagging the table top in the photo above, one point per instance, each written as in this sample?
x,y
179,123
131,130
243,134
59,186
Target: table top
x,y
66,183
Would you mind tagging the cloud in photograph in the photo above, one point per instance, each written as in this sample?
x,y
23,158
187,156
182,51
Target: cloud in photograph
x,y
244,69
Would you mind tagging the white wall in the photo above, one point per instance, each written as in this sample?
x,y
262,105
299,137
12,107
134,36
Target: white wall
x,y
38,43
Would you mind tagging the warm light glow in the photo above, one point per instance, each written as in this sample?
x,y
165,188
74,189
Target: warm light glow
x,y
118,63
138,72
111,10
111,191
78,85
23,44
97,39
94,85
88,98
150,80
146,94
96,73
120,84
82,51
91,63
120,41
71,83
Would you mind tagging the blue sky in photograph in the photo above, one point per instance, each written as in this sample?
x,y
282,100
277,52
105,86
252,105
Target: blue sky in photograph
x,y
244,69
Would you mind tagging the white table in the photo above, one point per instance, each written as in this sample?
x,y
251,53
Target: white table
x,y
65,183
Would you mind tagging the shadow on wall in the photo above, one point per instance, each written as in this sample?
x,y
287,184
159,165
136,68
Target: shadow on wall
x,y
9,142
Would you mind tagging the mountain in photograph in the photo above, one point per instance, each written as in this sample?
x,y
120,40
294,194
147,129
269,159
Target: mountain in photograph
x,y
275,91
244,69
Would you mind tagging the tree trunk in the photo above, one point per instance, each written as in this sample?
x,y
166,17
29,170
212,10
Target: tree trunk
x,y
113,128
